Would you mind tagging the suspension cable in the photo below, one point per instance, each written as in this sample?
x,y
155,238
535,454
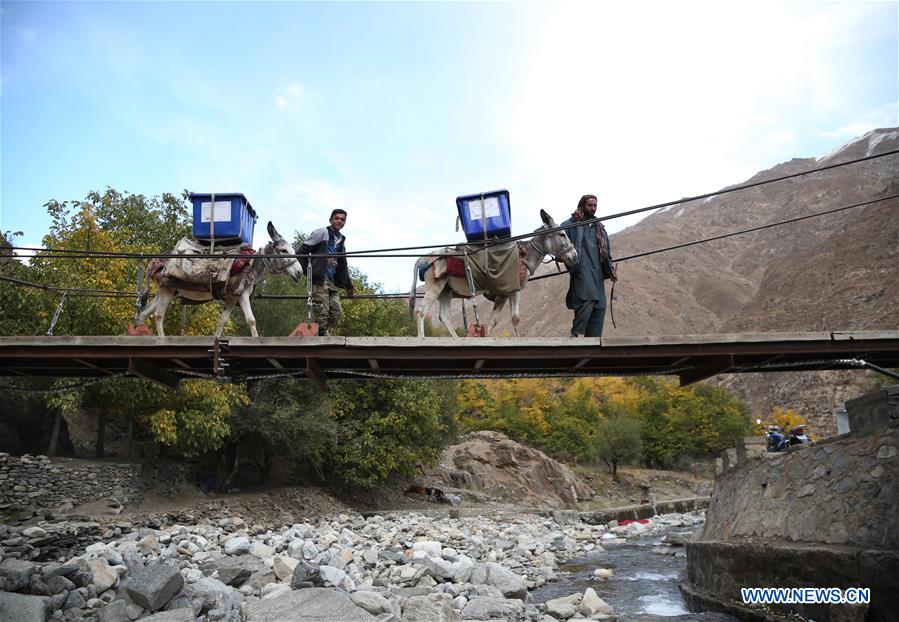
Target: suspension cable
x,y
84,254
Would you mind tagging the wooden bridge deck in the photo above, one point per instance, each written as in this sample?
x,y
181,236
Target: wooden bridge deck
x,y
690,357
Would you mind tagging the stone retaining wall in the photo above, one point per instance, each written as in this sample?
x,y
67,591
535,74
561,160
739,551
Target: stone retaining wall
x,y
844,490
823,515
41,483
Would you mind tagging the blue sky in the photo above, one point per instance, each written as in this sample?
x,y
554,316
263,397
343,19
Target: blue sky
x,y
391,110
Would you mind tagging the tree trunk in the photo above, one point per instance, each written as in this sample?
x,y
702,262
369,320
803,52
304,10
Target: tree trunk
x,y
101,434
615,470
54,436
227,467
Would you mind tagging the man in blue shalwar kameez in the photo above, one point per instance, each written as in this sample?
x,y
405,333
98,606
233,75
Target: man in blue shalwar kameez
x,y
587,290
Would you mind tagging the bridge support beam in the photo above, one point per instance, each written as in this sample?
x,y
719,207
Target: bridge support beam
x,y
717,365
145,369
314,372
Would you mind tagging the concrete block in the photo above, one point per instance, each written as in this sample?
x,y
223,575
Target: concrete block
x,y
729,458
875,412
750,446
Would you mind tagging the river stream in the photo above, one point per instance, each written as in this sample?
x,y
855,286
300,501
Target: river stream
x,y
644,585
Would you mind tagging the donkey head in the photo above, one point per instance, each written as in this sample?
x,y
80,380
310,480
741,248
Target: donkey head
x,y
557,243
279,246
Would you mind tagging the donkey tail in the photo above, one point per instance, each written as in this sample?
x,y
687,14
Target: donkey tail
x,y
418,263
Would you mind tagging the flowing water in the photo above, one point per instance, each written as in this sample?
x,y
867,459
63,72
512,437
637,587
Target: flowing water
x,y
644,584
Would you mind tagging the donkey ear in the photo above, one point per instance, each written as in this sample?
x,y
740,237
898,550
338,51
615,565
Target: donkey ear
x,y
272,232
547,219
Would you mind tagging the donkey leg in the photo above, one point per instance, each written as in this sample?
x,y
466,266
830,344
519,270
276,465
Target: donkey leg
x,y
515,310
498,304
158,307
226,313
248,312
445,301
432,290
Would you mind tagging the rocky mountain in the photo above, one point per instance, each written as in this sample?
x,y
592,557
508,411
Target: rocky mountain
x,y
835,272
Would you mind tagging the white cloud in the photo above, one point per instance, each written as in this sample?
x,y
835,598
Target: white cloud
x,y
642,108
290,97
375,220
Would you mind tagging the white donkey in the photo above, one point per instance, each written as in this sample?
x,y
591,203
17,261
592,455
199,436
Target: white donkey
x,y
240,292
546,242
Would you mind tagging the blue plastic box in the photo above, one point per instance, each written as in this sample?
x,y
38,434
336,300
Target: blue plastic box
x,y
235,218
485,216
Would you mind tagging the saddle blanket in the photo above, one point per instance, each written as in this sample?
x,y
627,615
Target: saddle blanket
x,y
499,269
199,271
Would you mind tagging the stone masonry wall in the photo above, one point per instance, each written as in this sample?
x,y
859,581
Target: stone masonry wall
x,y
38,482
841,491
825,514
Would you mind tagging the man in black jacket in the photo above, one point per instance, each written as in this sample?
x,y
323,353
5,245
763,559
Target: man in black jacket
x,y
327,273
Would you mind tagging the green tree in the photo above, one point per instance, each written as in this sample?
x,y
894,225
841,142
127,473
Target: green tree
x,y
117,222
384,427
618,441
285,418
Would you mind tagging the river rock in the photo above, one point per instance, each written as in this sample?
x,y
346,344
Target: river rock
x,y
510,584
603,573
308,605
176,615
104,577
34,532
592,604
371,601
115,611
305,575
235,570
18,573
154,586
563,608
23,607
678,539
491,608
213,594
260,550
423,608
283,567
237,546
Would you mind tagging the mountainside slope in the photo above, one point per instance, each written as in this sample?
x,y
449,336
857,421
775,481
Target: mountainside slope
x,y
834,272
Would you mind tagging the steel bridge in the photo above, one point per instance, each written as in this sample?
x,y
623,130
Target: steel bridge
x,y
691,358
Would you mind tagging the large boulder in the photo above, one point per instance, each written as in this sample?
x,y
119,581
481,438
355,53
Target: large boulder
x,y
154,586
491,608
371,601
104,575
510,471
17,573
506,582
234,570
311,604
23,608
418,608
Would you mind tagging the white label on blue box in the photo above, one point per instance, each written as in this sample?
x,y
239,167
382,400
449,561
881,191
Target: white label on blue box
x,y
222,211
489,210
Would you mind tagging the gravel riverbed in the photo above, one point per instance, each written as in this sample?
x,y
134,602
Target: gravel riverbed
x,y
396,566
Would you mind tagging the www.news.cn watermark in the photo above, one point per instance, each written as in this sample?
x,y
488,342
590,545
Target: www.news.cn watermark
x,y
805,596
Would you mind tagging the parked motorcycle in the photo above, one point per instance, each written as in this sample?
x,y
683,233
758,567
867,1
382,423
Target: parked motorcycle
x,y
778,440
775,436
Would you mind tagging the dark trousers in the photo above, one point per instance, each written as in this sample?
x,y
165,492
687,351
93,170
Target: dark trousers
x,y
588,319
